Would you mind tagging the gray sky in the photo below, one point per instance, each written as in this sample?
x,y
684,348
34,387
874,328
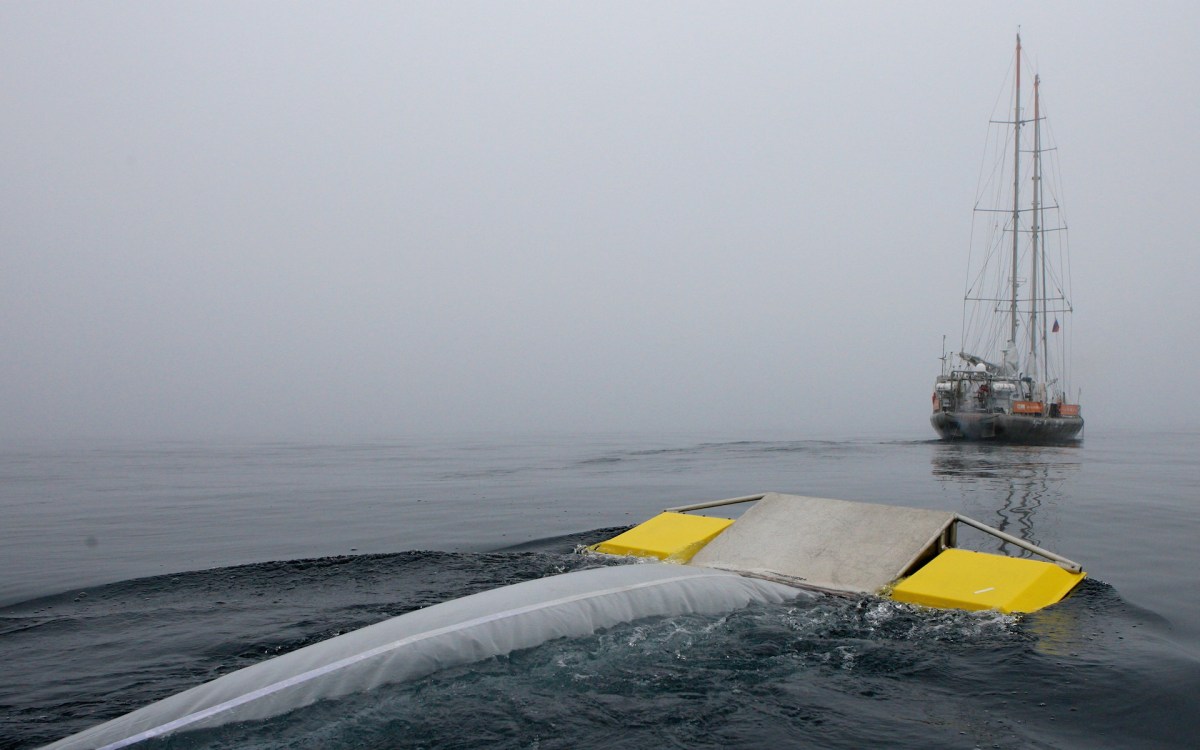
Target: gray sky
x,y
366,219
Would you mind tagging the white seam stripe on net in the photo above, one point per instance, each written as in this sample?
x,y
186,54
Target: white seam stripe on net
x,y
349,660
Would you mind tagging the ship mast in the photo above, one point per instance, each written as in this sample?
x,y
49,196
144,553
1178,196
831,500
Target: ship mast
x,y
1044,276
1035,272
1016,211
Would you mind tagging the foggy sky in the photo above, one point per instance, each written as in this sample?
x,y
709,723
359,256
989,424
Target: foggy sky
x,y
371,219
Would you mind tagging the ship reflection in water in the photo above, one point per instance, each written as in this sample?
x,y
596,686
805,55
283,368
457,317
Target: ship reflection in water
x,y
1008,486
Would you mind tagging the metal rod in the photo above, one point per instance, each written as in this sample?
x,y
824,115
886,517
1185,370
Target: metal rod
x,y
1069,565
715,503
934,541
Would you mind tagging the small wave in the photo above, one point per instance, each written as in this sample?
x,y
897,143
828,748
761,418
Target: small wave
x,y
601,460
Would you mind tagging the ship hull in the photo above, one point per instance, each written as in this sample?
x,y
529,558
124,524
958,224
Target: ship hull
x,y
1006,428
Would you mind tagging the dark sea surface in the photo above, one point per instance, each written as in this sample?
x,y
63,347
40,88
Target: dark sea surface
x,y
132,571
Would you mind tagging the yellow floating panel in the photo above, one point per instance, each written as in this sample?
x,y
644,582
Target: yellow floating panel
x,y
962,579
667,536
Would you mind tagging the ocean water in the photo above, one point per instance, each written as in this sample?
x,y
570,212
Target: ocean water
x,y
132,571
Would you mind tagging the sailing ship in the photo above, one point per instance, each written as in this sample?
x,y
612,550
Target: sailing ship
x,y
1009,380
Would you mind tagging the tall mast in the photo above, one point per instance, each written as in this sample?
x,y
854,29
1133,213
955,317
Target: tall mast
x,y
1035,291
1042,246
1016,216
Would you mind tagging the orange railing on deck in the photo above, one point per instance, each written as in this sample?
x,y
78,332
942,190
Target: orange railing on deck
x,y
1027,407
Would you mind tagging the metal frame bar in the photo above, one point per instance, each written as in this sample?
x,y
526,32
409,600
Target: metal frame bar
x,y
715,503
1069,565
